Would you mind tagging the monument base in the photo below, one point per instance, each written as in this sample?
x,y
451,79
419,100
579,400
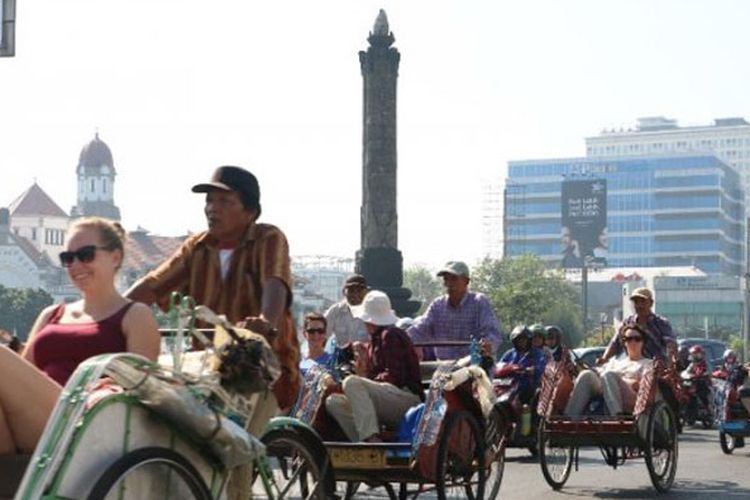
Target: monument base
x,y
383,268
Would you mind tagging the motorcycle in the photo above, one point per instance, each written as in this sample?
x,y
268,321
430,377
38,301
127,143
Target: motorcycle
x,y
694,408
518,420
734,421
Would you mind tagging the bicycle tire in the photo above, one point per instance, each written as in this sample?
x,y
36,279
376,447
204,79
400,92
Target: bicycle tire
x,y
132,460
284,442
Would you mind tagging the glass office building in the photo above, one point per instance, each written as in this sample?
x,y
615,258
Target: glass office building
x,y
661,211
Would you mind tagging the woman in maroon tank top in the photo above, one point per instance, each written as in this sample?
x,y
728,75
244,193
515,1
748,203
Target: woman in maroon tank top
x,y
65,335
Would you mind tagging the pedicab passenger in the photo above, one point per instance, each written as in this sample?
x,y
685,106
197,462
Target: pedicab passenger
x,y
239,268
618,380
387,380
530,359
65,335
314,331
457,315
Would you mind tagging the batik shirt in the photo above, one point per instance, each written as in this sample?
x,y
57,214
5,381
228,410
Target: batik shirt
x,y
262,254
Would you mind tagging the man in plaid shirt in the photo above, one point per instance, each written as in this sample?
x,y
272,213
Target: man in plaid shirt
x,y
458,315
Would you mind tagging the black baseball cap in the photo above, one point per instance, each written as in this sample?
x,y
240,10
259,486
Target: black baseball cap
x,y
231,178
355,280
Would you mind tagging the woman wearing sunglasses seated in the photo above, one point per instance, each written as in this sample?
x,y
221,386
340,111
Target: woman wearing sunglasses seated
x,y
618,380
64,335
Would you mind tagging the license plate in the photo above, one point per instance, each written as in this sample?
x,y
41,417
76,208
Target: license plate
x,y
357,458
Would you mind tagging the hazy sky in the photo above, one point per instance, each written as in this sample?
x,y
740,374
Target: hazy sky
x,y
178,87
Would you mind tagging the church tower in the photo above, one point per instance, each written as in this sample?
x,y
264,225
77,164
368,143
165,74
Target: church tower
x,y
96,182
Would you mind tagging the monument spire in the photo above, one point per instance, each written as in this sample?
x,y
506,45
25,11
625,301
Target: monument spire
x,y
379,259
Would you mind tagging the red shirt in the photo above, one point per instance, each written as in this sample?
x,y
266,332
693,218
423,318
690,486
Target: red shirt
x,y
59,349
394,360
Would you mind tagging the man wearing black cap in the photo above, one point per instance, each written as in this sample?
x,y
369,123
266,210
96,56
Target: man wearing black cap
x,y
239,268
343,327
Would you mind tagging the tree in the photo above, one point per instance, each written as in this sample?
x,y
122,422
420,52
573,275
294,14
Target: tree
x,y
423,284
19,307
523,291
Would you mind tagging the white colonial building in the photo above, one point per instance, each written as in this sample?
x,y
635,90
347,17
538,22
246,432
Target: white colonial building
x,y
34,230
96,182
36,217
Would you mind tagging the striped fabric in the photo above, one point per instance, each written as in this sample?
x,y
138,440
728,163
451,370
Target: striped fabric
x,y
262,254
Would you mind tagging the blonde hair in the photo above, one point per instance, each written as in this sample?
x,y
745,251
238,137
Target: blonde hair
x,y
111,233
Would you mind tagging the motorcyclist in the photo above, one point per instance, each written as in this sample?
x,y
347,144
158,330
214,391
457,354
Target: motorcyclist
x,y
530,360
698,371
728,365
554,341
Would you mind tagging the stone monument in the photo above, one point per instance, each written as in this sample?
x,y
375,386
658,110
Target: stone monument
x,y
379,259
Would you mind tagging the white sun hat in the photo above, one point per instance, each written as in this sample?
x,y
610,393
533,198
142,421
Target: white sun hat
x,y
375,309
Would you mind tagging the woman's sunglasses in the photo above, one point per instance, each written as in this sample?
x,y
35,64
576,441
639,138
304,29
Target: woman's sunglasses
x,y
84,255
633,338
319,331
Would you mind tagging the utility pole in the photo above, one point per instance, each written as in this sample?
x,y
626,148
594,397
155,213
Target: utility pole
x,y
585,295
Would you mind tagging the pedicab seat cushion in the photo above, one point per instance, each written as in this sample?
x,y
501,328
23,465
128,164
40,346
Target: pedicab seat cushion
x,y
407,428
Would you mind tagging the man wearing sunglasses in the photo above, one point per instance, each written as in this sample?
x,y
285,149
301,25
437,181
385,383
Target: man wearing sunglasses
x,y
315,335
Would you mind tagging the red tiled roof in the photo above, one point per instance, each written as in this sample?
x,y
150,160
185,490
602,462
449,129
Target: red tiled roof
x,y
34,201
144,251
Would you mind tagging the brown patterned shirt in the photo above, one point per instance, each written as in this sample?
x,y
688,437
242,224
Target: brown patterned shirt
x,y
195,269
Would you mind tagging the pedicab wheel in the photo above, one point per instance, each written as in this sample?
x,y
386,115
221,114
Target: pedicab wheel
x,y
461,471
497,440
298,467
661,446
556,461
728,443
161,472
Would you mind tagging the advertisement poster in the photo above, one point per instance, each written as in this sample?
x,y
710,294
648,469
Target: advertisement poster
x,y
583,235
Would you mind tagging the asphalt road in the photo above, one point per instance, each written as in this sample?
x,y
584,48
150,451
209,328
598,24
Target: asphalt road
x,y
703,472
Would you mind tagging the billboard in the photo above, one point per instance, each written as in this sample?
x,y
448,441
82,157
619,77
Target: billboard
x,y
583,235
7,28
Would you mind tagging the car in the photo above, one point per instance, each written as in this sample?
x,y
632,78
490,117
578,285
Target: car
x,y
587,355
714,349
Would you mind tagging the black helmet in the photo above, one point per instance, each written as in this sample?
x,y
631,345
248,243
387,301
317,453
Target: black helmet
x,y
518,332
553,331
537,329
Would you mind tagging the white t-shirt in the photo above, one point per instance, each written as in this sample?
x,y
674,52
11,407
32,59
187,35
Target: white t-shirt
x,y
345,327
225,258
626,367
